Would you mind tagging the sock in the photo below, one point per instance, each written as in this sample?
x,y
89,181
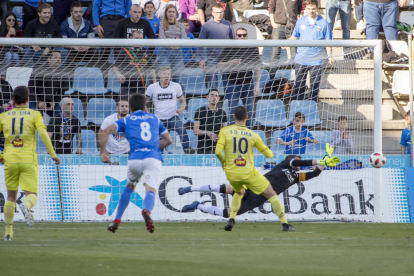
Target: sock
x,y
235,205
278,208
123,202
149,201
225,213
206,188
9,208
215,211
30,201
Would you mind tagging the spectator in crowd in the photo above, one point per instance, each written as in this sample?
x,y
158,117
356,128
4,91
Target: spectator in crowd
x,y
117,143
47,84
63,9
310,27
164,95
188,53
237,66
9,28
383,13
215,28
296,137
188,10
341,138
208,121
405,142
149,10
161,6
42,27
126,26
171,29
131,65
283,24
63,127
342,8
76,26
205,10
359,16
4,8
107,13
30,11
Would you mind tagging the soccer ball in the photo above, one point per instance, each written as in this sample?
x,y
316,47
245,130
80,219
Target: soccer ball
x,y
377,160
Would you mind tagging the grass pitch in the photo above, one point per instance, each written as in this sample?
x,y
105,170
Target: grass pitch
x,y
190,248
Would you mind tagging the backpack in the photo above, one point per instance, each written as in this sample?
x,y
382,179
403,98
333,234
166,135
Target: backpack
x,y
281,86
389,56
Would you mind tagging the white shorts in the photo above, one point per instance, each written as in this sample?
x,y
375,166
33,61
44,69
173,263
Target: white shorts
x,y
146,171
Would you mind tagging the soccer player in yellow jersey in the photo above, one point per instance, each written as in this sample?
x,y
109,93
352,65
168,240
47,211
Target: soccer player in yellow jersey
x,y
19,127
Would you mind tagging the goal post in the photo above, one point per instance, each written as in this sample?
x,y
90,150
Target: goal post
x,y
351,87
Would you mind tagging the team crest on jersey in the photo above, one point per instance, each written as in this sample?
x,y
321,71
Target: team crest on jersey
x,y
240,161
17,142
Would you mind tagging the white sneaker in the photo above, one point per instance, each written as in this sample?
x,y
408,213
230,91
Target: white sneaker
x,y
27,214
338,25
361,25
7,238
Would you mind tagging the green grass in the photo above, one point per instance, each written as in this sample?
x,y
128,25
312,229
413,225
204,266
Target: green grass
x,y
206,249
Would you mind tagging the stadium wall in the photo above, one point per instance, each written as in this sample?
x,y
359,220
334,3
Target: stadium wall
x,y
89,191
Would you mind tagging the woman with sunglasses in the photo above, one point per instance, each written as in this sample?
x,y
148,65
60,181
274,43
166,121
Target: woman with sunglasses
x,y
9,28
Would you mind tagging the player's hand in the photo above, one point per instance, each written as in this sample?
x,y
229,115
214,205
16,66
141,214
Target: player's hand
x,y
105,157
100,31
57,161
329,150
330,162
121,78
256,89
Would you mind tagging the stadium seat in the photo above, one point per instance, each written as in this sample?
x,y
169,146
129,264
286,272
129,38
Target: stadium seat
x,y
407,17
400,83
309,108
287,74
88,80
263,137
248,13
192,81
18,11
175,147
226,108
99,109
236,16
40,147
193,138
277,149
89,144
17,76
114,85
193,105
79,111
323,137
271,113
264,78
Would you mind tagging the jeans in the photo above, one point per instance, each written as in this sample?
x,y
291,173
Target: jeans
x,y
174,123
10,57
300,82
344,8
278,34
359,12
385,14
172,57
211,72
235,92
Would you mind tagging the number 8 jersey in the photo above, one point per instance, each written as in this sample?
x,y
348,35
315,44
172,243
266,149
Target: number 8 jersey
x,y
238,142
143,131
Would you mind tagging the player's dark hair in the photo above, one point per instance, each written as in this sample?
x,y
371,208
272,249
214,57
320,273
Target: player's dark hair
x,y
137,102
299,115
292,156
240,113
75,5
342,118
149,3
311,2
407,114
241,29
122,99
212,90
20,95
43,6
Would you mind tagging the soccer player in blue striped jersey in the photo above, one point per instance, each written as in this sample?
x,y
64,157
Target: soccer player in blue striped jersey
x,y
146,135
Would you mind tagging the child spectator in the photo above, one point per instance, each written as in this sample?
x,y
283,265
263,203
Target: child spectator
x,y
405,136
296,136
188,53
341,139
149,10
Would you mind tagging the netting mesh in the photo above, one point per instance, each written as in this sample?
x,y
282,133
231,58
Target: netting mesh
x,y
296,107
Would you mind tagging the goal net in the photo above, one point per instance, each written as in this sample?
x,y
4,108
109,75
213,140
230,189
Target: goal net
x,y
296,106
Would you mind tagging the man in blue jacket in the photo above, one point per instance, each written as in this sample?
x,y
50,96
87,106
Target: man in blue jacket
x,y
106,14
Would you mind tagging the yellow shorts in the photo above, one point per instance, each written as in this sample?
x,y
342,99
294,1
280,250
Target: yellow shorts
x,y
23,174
257,183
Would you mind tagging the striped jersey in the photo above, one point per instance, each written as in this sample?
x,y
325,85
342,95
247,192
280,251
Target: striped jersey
x,y
238,142
19,127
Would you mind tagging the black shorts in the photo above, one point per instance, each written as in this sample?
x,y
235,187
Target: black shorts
x,y
250,201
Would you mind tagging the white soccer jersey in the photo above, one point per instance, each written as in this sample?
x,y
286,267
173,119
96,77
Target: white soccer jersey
x,y
165,99
117,143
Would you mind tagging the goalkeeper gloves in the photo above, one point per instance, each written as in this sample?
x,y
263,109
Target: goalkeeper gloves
x,y
329,151
329,161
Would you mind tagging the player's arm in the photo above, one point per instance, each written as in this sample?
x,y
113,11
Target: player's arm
x,y
263,148
41,129
165,138
220,146
103,139
1,155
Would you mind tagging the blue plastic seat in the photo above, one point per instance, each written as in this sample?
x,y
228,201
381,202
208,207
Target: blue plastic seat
x,y
193,105
264,78
193,138
18,11
89,144
40,147
287,74
113,85
175,147
309,108
88,80
192,81
271,113
263,137
79,112
226,108
323,137
99,109
277,149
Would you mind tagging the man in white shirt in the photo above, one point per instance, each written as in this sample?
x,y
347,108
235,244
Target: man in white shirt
x,y
117,143
164,95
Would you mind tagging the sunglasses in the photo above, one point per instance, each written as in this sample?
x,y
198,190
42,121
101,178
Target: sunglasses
x,y
11,20
241,35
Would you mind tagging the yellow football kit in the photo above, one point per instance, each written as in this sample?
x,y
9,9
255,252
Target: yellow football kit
x,y
19,126
238,162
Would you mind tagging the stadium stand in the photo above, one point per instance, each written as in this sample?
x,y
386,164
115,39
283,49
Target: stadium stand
x,y
309,108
